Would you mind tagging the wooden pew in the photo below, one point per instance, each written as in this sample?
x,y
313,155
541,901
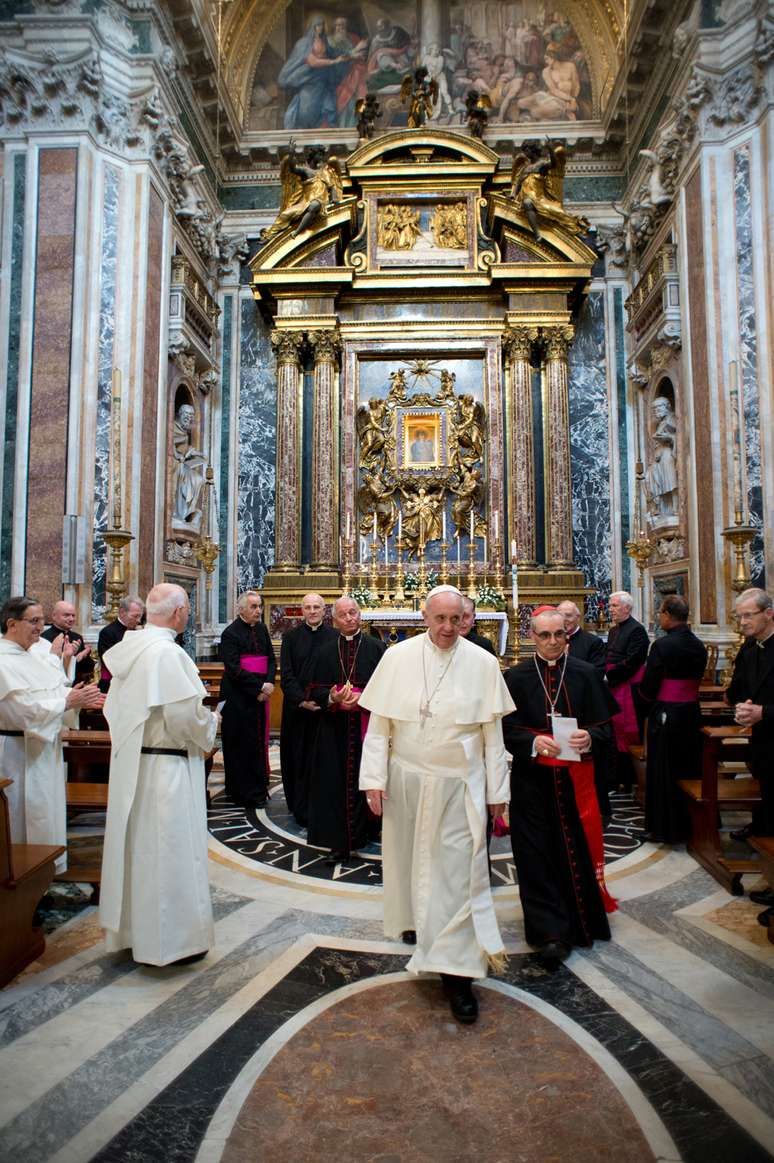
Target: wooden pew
x,y
708,796
764,846
86,753
26,871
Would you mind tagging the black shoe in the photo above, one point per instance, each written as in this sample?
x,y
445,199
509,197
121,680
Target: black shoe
x,y
261,802
462,1000
763,896
409,936
337,857
765,917
552,954
743,833
649,837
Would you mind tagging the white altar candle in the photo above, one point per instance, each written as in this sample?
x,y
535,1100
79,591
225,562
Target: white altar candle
x,y
349,526
375,528
457,535
486,559
513,551
443,525
471,525
400,526
386,552
515,586
363,548
497,525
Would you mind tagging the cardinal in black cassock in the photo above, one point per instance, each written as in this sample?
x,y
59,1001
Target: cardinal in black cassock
x,y
298,654
669,694
248,672
556,830
339,818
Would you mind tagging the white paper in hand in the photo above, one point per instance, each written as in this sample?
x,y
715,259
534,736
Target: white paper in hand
x,y
562,727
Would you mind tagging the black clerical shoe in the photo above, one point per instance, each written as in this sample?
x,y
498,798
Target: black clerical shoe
x,y
763,896
743,833
338,856
409,936
191,959
552,954
462,1000
765,917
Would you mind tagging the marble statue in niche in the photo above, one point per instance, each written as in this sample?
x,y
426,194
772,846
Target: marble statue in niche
x,y
661,473
188,474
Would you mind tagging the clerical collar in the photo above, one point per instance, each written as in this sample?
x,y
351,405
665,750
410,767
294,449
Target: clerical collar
x,y
313,628
350,637
763,642
547,661
575,631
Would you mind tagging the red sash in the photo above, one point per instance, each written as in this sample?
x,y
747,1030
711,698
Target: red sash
x,y
678,690
625,726
582,776
259,664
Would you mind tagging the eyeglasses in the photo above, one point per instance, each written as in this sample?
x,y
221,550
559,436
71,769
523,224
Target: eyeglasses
x,y
34,621
544,635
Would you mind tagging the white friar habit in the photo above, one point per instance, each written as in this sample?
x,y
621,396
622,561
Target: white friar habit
x,y
439,777
33,691
155,895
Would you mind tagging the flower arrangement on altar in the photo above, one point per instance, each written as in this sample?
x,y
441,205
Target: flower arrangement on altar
x,y
364,597
489,598
411,582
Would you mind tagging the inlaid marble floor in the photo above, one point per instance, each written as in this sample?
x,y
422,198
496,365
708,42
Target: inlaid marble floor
x,y
302,1038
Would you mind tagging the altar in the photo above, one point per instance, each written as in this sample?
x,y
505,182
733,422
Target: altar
x,y
392,625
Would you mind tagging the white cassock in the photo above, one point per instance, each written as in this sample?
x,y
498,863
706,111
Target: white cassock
x,y
33,691
439,777
155,894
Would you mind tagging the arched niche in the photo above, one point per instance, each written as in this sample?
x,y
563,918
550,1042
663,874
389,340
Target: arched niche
x,y
185,464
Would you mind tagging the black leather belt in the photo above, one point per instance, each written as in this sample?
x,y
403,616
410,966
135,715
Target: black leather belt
x,y
12,734
164,751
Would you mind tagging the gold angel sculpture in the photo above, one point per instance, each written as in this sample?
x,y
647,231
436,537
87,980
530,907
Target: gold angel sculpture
x,y
307,191
421,93
537,187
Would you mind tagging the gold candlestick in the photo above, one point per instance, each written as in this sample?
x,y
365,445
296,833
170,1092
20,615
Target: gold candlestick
x,y
422,576
207,549
115,584
739,535
347,572
444,573
472,569
374,571
399,597
497,580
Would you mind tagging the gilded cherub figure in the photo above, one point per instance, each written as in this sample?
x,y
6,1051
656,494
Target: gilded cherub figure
x,y
307,191
537,187
421,93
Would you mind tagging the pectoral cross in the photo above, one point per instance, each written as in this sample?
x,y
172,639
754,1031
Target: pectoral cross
x,y
424,713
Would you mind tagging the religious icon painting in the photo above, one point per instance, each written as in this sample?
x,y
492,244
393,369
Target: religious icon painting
x,y
422,438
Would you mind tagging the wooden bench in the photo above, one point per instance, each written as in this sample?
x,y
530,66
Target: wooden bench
x,y
708,796
26,871
87,755
764,846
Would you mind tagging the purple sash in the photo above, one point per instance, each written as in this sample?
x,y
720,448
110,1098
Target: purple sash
x,y
259,664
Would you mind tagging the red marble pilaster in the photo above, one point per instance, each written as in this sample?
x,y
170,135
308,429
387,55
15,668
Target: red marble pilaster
x,y
50,388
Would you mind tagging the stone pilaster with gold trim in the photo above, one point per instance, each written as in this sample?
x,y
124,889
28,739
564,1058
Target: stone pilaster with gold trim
x,y
557,450
287,544
325,346
517,344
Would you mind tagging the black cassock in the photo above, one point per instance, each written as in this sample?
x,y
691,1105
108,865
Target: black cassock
x,y
244,726
588,647
298,652
674,729
338,814
753,678
479,640
560,894
109,635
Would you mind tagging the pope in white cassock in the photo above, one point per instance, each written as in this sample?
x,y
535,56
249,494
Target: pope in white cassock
x,y
34,697
433,764
155,896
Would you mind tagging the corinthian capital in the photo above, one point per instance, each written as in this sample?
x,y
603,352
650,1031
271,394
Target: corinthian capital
x,y
557,341
325,345
517,342
287,346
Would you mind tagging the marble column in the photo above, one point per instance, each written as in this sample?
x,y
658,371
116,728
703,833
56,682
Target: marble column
x,y
287,553
557,452
517,344
432,23
325,347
